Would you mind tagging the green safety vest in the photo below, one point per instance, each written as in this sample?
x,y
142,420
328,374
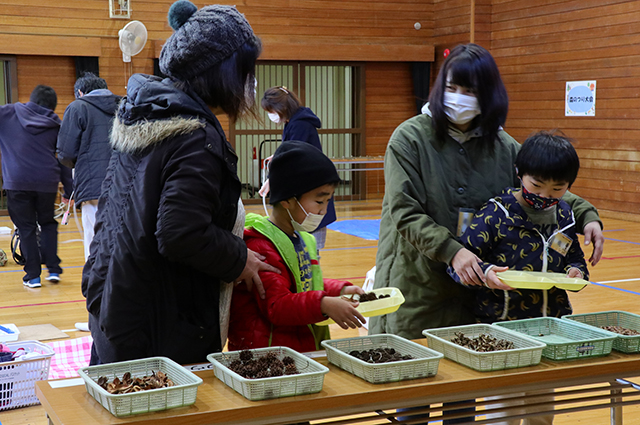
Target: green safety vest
x,y
287,251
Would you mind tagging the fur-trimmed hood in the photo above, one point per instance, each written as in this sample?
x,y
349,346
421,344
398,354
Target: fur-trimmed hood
x,y
136,137
155,110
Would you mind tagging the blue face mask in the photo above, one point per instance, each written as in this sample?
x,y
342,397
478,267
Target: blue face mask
x,y
537,202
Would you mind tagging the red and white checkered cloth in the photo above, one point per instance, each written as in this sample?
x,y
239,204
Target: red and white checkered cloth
x,y
71,355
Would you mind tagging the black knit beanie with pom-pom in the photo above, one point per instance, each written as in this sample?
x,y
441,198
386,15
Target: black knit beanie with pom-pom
x,y
202,38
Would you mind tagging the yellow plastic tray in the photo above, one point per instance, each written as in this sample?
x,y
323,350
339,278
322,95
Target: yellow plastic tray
x,y
540,280
377,307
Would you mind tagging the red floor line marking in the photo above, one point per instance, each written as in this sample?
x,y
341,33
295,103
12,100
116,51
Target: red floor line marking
x,y
618,258
34,305
78,301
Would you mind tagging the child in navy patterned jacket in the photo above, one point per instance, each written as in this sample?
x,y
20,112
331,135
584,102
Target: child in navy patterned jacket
x,y
528,229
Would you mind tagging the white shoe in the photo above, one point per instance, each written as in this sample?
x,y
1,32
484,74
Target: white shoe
x,y
82,326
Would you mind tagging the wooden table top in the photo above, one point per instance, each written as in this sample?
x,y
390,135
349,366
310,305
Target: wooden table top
x,y
342,393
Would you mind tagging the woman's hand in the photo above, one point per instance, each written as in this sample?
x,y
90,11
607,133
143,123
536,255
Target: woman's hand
x,y
264,190
342,312
593,233
465,263
255,264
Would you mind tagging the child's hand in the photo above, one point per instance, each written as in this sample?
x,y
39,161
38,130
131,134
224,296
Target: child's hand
x,y
351,289
575,273
492,279
342,312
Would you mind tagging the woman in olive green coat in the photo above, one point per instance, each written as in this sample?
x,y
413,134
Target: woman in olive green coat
x,y
440,166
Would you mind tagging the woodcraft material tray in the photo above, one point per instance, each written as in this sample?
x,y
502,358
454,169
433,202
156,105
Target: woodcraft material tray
x,y
377,307
540,280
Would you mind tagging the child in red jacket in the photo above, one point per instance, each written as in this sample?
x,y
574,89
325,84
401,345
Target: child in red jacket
x,y
302,180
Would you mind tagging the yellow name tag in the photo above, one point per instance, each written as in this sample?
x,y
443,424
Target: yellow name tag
x,y
561,243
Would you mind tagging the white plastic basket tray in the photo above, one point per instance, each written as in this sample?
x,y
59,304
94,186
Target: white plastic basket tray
x,y
182,394
527,350
425,361
18,377
308,381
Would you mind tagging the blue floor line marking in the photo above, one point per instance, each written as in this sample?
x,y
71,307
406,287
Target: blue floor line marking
x,y
354,247
614,230
358,216
620,240
617,289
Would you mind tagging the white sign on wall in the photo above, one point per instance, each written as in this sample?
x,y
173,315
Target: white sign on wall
x,y
580,99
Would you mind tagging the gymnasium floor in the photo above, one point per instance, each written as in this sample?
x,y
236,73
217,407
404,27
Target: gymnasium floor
x,y
615,287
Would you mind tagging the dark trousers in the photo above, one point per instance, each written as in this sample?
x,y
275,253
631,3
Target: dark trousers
x,y
27,210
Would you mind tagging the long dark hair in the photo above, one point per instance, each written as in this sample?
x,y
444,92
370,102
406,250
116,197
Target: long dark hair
x,y
472,66
229,85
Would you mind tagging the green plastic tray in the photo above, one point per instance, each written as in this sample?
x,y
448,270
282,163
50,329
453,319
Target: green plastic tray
x,y
565,339
624,343
528,351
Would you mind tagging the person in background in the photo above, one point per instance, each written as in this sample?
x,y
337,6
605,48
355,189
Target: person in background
x,y
533,229
302,182
440,167
83,144
31,175
164,249
300,123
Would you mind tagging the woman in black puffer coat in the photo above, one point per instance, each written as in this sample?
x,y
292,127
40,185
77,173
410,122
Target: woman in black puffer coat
x,y
164,246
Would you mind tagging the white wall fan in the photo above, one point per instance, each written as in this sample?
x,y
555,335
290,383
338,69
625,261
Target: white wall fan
x,y
131,40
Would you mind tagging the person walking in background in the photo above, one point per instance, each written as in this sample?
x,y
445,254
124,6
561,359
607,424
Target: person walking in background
x,y
83,144
301,124
31,174
164,246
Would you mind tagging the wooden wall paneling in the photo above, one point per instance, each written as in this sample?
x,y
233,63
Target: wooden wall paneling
x,y
390,101
481,19
541,46
452,26
58,72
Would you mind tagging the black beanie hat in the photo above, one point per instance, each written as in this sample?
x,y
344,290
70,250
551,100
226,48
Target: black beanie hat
x,y
297,168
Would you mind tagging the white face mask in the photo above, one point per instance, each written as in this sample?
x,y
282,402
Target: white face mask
x,y
460,108
274,117
309,224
